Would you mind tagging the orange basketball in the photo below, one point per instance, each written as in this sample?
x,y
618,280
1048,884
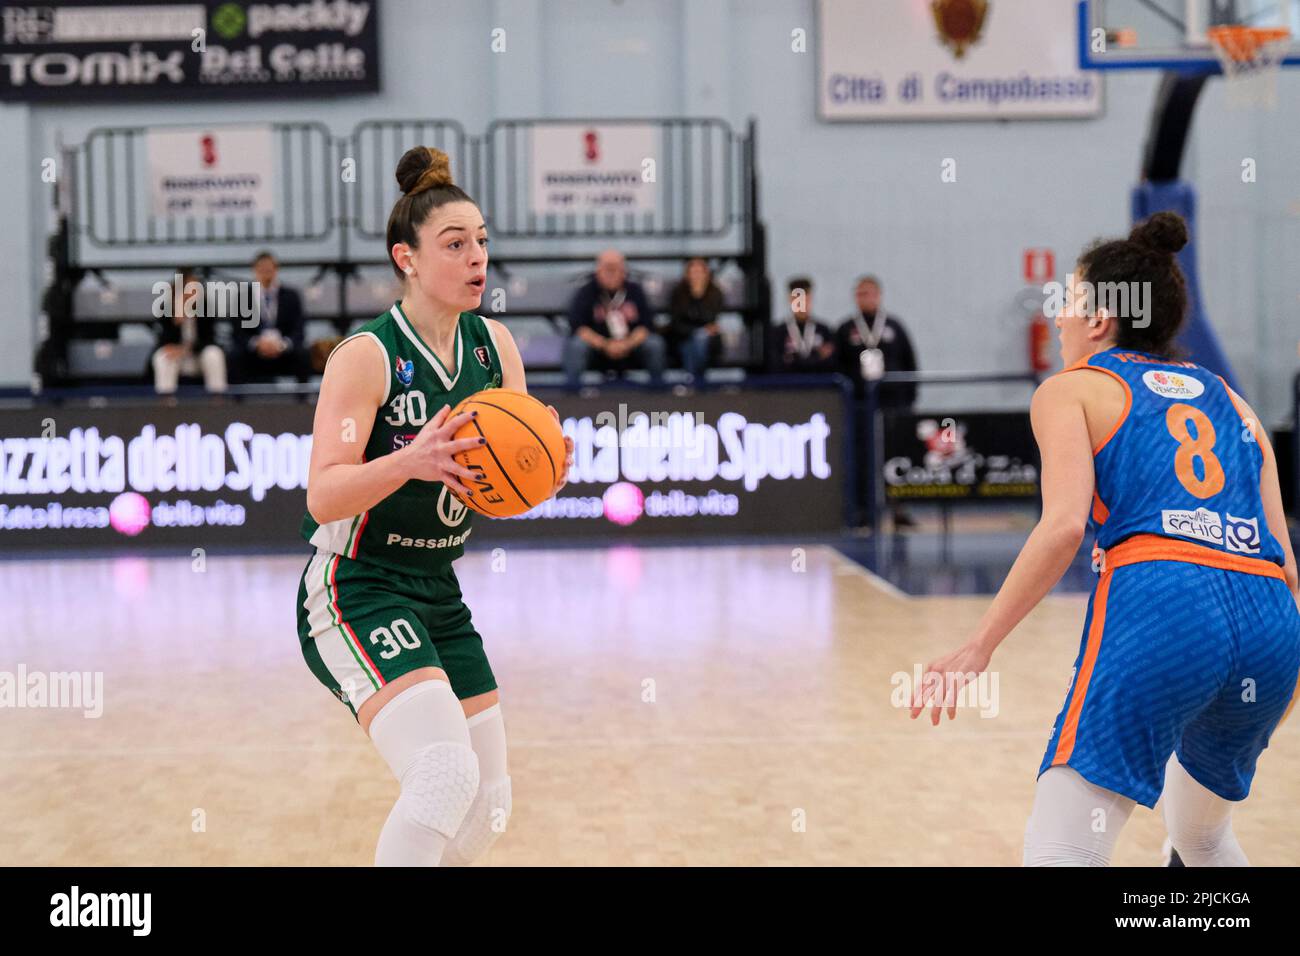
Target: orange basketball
x,y
523,459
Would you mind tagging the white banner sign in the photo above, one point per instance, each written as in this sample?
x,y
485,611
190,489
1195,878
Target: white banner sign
x,y
211,171
952,59
589,168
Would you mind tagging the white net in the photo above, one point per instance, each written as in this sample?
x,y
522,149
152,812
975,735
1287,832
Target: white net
x,y
1251,59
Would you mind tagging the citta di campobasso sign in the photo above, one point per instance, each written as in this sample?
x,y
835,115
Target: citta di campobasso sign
x,y
78,51
227,476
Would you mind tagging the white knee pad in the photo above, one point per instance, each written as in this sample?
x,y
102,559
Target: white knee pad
x,y
482,826
422,735
438,787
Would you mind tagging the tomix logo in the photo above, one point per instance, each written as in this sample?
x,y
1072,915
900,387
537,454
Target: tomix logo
x,y
136,67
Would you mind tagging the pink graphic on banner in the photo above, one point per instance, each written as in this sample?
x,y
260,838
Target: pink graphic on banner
x,y
624,503
129,513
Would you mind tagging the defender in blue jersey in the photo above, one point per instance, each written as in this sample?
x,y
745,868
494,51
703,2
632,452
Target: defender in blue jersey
x,y
1191,644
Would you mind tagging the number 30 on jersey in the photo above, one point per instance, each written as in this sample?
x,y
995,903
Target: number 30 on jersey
x,y
409,408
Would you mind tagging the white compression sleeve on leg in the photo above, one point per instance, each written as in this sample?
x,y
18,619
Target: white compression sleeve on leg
x,y
487,818
1199,821
422,735
1073,823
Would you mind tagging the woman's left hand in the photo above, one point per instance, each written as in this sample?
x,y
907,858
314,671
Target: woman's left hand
x,y
568,454
950,673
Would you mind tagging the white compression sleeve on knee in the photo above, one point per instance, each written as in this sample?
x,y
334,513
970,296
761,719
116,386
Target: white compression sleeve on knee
x,y
490,812
422,735
1199,821
1073,823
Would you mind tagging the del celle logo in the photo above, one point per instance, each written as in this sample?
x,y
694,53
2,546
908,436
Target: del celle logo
x,y
405,370
959,22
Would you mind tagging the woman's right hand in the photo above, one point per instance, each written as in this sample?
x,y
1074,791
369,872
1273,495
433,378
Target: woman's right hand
x,y
430,457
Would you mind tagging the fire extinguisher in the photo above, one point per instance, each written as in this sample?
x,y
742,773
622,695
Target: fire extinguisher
x,y
1040,339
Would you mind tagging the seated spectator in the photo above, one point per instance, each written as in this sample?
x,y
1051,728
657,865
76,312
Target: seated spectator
x,y
693,319
801,344
274,346
186,340
610,319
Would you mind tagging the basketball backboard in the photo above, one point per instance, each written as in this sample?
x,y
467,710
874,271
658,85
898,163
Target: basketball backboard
x,y
1170,34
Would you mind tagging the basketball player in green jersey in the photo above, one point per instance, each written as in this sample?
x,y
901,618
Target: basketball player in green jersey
x,y
380,614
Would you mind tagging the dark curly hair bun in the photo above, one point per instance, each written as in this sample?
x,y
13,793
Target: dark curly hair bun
x,y
1164,232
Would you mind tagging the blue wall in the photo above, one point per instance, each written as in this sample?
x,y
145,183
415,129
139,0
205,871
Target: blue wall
x,y
839,199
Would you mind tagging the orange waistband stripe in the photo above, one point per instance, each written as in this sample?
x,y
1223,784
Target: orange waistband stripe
x,y
1154,547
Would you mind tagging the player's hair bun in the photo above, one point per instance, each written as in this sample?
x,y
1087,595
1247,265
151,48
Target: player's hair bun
x,y
421,168
1164,232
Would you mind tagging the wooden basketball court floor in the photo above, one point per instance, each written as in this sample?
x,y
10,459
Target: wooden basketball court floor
x,y
664,706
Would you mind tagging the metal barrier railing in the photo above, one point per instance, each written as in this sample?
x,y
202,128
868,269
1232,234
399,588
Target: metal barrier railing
x,y
702,187
110,202
696,182
377,145
705,193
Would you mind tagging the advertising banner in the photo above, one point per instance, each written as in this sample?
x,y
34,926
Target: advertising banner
x,y
960,456
58,50
590,168
211,171
81,477
951,59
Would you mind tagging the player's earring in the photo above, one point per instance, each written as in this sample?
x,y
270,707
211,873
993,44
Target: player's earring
x,y
409,271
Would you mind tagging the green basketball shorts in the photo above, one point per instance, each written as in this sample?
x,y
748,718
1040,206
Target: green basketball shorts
x,y
362,626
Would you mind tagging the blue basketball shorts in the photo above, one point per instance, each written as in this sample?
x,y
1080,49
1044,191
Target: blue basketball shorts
x,y
1178,658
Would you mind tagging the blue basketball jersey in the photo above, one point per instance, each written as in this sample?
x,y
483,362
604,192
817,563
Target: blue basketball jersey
x,y
1182,463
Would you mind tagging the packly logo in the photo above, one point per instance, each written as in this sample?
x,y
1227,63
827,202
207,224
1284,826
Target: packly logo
x,y
405,370
1242,534
1200,524
229,20
1172,385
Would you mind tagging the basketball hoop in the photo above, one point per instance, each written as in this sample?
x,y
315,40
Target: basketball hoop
x,y
1251,58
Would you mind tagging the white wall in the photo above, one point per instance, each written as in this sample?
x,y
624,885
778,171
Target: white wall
x,y
839,199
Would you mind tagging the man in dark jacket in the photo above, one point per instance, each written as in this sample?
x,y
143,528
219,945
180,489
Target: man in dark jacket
x,y
611,322
871,342
274,346
800,343
872,329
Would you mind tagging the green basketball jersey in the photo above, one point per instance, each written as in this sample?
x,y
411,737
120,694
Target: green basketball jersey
x,y
421,526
